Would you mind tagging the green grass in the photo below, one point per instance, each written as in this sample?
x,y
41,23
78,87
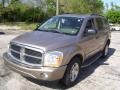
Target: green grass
x,y
22,25
28,26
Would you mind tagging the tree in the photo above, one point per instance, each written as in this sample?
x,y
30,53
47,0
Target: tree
x,y
0,12
5,2
51,7
39,10
15,8
113,16
82,6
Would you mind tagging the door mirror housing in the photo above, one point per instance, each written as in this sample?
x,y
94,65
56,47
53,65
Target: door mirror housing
x,y
37,26
91,31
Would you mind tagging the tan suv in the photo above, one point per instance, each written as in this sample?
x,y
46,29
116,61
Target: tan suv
x,y
59,48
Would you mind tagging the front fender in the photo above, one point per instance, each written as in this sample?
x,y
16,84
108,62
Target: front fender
x,y
70,52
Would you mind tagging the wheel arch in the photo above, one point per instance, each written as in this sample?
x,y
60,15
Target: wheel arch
x,y
80,56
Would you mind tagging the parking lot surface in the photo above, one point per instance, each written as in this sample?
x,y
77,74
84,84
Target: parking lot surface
x,y
104,74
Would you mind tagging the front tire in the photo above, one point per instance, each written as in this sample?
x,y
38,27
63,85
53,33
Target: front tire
x,y
72,73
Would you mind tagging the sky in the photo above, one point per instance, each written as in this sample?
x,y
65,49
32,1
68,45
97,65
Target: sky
x,y
116,2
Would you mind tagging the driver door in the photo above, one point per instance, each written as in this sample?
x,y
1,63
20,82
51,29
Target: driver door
x,y
89,42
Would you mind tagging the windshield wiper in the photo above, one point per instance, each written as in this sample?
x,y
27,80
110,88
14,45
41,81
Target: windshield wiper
x,y
43,30
54,31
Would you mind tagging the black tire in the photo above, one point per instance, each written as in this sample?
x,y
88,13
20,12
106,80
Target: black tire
x,y
66,79
105,53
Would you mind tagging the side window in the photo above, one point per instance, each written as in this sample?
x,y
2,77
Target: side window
x,y
100,24
89,25
106,25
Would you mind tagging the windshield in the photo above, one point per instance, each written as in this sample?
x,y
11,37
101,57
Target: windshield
x,y
64,25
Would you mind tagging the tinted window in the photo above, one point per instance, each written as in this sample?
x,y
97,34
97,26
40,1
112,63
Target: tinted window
x,y
89,25
106,25
100,24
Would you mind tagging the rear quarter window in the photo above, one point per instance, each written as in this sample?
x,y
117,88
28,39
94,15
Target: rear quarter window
x,y
106,24
100,24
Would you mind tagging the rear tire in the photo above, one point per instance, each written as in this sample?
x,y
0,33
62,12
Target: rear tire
x,y
105,51
72,73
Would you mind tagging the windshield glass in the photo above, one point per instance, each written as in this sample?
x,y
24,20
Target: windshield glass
x,y
64,25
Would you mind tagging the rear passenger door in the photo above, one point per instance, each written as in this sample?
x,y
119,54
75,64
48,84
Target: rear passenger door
x,y
102,30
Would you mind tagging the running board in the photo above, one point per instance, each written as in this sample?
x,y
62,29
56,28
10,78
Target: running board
x,y
91,60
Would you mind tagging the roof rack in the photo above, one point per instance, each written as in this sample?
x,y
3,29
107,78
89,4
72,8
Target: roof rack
x,y
96,15
68,13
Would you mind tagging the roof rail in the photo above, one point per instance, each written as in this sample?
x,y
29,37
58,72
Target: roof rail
x,y
68,13
96,15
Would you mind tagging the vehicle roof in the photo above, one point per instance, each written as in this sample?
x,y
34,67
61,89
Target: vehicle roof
x,y
80,15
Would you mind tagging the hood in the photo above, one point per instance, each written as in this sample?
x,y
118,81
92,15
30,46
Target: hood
x,y
45,40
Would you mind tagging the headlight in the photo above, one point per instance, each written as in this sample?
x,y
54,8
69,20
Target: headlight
x,y
53,59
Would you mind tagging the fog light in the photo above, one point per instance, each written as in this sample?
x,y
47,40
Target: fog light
x,y
44,75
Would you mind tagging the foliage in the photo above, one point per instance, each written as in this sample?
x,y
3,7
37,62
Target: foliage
x,y
113,15
51,7
82,6
17,11
0,10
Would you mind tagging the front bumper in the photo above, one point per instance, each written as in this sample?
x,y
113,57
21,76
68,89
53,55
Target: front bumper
x,y
41,73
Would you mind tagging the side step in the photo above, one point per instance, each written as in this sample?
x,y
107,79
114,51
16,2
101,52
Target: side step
x,y
91,60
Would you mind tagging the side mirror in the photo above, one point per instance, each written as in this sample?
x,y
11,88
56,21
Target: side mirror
x,y
37,26
91,31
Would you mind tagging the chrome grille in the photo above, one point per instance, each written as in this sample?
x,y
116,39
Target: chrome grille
x,y
32,60
26,55
33,53
16,55
15,47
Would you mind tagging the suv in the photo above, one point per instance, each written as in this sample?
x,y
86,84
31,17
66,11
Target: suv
x,y
60,47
